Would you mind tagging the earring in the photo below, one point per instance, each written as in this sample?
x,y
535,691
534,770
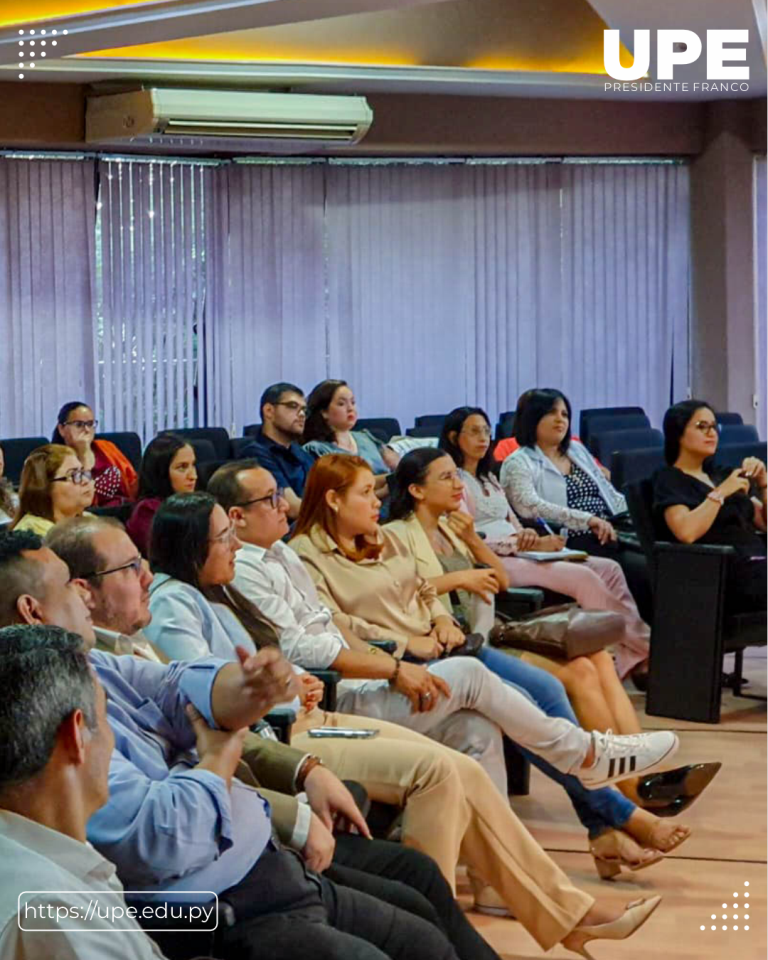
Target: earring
x,y
335,509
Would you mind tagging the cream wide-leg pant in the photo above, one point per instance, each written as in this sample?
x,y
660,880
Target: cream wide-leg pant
x,y
452,810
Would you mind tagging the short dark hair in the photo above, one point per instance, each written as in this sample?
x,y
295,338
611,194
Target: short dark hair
x,y
225,486
46,675
453,423
274,392
72,541
537,404
180,534
154,474
18,574
316,427
62,415
676,419
413,468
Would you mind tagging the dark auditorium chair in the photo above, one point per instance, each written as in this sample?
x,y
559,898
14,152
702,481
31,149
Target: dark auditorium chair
x,y
590,413
204,450
217,436
384,428
691,629
732,433
430,420
205,470
625,421
127,442
505,428
423,431
251,430
729,417
605,445
733,454
121,512
239,445
630,466
16,452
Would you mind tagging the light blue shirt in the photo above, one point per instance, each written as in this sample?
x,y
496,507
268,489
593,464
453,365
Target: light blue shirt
x,y
368,447
166,826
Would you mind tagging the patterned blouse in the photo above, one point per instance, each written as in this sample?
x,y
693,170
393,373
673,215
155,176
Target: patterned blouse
x,y
583,494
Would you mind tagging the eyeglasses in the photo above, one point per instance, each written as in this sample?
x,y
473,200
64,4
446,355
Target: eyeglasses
x,y
273,498
450,476
226,536
484,432
134,565
81,424
79,477
706,427
293,405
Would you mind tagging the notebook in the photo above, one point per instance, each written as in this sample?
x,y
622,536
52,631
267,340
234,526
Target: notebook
x,y
541,556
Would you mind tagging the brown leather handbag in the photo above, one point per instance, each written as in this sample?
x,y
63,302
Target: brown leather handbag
x,y
563,632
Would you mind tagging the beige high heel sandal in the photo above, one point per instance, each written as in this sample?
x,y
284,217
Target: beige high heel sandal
x,y
622,927
609,865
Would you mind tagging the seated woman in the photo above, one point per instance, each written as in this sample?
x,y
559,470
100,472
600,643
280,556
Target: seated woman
x,y
9,500
331,418
54,486
195,611
700,502
427,492
597,584
167,467
113,475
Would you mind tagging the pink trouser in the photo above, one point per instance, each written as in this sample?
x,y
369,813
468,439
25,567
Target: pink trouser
x,y
596,584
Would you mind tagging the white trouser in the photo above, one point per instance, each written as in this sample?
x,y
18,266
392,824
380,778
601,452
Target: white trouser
x,y
473,688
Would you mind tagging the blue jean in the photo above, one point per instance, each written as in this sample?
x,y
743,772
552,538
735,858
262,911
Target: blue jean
x,y
596,809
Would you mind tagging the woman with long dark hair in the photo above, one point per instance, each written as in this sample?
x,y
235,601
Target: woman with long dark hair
x,y
697,501
167,467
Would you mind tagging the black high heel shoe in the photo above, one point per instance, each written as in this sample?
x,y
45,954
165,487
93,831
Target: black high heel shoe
x,y
669,793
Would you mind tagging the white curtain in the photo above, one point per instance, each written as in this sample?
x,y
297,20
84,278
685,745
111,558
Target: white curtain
x,y
155,246
47,210
760,259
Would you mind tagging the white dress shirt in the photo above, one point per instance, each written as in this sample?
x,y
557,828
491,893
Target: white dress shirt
x,y
39,858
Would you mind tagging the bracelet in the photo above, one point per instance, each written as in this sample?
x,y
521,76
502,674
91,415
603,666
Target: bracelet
x,y
307,766
393,678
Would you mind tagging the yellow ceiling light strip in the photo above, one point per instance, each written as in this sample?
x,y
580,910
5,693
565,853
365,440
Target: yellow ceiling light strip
x,y
22,11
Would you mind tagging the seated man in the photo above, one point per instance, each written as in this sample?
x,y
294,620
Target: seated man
x,y
57,744
176,821
276,446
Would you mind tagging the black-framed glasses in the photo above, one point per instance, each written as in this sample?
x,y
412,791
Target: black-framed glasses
x,y
706,427
81,424
273,498
292,405
134,565
79,477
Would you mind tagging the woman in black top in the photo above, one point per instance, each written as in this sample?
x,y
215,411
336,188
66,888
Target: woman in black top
x,y
699,502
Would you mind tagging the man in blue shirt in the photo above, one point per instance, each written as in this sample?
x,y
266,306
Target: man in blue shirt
x,y
177,820
276,445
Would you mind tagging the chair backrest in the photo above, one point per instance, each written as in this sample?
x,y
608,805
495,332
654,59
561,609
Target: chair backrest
x,y
204,450
16,452
217,436
729,417
733,454
127,442
505,428
640,504
430,420
121,512
589,414
238,446
251,430
624,421
382,427
423,431
631,466
205,470
738,433
608,443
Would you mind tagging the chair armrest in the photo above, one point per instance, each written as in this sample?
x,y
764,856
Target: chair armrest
x,y
703,549
281,721
330,678
386,646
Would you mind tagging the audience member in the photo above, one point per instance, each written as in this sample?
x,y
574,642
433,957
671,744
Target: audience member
x,y
277,445
176,821
54,485
596,584
9,501
57,745
168,466
331,417
697,501
271,576
113,473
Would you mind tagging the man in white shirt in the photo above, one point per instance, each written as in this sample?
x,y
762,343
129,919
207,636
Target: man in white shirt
x,y
53,775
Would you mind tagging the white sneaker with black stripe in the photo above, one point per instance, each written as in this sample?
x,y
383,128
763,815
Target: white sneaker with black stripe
x,y
619,757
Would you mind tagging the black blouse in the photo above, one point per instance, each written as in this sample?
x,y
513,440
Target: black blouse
x,y
734,524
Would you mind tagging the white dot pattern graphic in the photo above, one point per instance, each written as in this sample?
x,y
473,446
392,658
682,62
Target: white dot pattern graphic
x,y
735,916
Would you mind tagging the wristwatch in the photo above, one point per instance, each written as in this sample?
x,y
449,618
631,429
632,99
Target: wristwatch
x,y
307,766
717,496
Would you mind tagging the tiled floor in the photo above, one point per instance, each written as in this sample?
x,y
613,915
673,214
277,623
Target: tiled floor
x,y
727,848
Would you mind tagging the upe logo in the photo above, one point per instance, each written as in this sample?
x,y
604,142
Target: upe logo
x,y
678,47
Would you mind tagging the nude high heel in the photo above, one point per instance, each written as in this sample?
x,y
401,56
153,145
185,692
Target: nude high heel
x,y
622,927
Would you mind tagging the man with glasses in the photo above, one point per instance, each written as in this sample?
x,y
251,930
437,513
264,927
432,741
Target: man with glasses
x,y
276,445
